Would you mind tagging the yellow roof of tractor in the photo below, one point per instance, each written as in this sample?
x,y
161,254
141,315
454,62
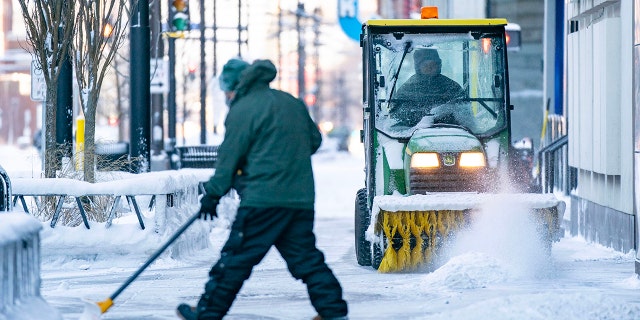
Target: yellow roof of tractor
x,y
429,17
436,22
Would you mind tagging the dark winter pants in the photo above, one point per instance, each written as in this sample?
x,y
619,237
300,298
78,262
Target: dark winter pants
x,y
253,233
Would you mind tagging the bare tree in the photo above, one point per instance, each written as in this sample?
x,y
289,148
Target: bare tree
x,y
50,28
101,26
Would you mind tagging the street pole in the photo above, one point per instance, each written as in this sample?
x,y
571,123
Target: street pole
x,y
64,114
279,45
240,28
203,77
215,61
140,87
157,99
316,62
171,96
301,52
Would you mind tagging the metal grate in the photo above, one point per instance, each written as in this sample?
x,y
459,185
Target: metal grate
x,y
446,179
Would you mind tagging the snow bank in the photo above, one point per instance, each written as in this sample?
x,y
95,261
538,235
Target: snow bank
x,y
29,309
468,271
20,269
17,226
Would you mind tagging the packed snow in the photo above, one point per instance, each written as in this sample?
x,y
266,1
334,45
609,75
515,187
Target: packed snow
x,y
495,270
14,226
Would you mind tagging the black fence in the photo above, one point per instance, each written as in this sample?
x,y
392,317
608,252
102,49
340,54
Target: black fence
x,y
204,157
112,156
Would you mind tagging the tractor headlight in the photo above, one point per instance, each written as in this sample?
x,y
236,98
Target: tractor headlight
x,y
425,160
472,159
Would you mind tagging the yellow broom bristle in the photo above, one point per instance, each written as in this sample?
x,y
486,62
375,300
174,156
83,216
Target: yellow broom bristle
x,y
404,253
417,227
414,224
389,261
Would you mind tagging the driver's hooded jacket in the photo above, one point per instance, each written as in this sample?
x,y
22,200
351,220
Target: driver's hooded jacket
x,y
267,146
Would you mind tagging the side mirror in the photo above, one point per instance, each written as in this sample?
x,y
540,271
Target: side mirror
x,y
513,32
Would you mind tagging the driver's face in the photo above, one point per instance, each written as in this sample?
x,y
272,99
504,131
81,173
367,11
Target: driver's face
x,y
429,67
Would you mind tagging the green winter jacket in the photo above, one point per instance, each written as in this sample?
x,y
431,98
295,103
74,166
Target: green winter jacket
x,y
267,146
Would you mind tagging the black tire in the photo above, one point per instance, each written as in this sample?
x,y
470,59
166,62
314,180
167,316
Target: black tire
x,y
362,220
378,253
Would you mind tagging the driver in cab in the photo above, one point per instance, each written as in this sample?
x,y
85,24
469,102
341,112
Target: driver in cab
x,y
425,90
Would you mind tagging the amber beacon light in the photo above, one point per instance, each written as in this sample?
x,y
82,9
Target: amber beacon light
x,y
429,13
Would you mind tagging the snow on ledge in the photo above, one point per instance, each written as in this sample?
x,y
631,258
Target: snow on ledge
x,y
15,226
149,183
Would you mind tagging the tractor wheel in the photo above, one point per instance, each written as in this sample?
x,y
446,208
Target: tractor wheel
x,y
378,253
362,219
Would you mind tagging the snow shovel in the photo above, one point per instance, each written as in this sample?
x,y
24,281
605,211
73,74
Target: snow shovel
x,y
92,311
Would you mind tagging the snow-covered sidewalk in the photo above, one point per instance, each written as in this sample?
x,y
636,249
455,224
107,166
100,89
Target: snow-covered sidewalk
x,y
495,272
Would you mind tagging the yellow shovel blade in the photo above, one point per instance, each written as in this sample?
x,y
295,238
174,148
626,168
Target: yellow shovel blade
x,y
93,310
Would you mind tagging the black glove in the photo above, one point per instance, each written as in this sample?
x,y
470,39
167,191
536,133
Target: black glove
x,y
208,205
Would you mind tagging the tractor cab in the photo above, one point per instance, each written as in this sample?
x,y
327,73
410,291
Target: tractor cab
x,y
437,138
423,74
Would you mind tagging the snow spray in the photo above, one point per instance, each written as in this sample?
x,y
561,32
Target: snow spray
x,y
505,231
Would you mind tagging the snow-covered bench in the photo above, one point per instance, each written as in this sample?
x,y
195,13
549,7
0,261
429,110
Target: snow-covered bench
x,y
164,188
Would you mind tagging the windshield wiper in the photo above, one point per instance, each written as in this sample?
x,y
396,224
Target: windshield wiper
x,y
407,46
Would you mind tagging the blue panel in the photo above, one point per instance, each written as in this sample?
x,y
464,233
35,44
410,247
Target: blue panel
x,y
558,91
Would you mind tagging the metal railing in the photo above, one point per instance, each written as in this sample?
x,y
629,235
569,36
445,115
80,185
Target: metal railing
x,y
5,191
553,159
203,156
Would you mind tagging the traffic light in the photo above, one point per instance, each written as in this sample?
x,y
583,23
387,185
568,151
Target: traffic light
x,y
180,10
192,71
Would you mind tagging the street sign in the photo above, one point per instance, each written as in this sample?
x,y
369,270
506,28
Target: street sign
x,y
159,75
38,86
348,18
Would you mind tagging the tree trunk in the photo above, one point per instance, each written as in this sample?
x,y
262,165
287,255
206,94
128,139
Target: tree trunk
x,y
90,138
51,163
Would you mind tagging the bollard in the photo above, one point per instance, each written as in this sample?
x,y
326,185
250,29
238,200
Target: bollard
x,y
80,143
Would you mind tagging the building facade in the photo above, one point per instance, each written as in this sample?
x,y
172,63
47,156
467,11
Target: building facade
x,y
19,115
601,105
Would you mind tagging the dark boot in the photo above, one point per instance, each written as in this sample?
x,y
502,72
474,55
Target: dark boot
x,y
187,312
318,317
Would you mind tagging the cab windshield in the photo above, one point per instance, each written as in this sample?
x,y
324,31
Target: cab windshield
x,y
453,78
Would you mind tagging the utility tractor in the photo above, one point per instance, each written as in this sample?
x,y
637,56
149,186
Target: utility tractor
x,y
435,155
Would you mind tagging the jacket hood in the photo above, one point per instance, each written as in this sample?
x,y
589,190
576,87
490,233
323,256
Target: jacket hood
x,y
260,72
230,75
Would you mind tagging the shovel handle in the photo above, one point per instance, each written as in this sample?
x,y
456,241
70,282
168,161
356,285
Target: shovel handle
x,y
105,305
